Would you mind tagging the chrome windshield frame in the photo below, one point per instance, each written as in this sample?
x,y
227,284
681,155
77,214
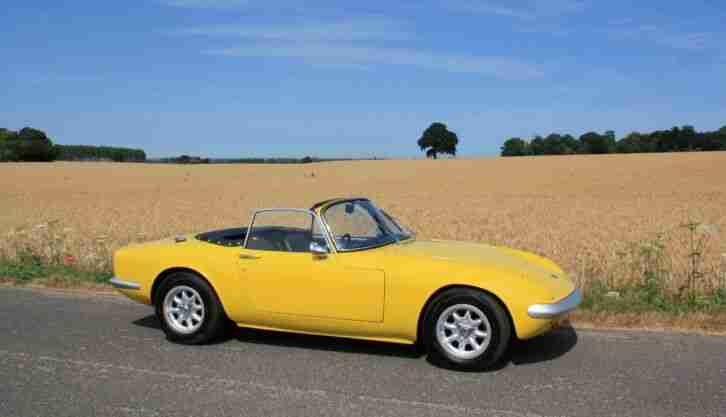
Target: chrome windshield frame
x,y
327,231
378,211
315,217
409,234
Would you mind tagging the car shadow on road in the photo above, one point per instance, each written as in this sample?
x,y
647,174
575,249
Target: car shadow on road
x,y
295,340
150,322
537,350
326,343
540,349
543,348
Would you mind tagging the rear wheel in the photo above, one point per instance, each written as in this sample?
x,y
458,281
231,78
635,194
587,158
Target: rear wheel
x,y
467,329
189,310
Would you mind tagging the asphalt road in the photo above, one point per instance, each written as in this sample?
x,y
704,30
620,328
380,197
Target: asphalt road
x,y
82,355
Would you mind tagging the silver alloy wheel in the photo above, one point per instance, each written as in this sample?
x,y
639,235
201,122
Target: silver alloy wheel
x,y
463,331
184,309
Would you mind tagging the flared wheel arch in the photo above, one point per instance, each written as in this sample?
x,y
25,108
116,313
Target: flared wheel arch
x,y
421,328
171,271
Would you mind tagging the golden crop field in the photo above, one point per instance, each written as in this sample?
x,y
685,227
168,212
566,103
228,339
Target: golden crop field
x,y
604,217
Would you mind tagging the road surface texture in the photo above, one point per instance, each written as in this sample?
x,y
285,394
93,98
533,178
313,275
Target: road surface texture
x,y
75,354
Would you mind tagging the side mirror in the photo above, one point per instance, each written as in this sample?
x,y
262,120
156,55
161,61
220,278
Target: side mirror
x,y
317,249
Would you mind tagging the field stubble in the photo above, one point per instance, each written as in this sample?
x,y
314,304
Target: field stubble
x,y
614,219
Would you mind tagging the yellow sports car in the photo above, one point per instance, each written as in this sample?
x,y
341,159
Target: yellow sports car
x,y
347,268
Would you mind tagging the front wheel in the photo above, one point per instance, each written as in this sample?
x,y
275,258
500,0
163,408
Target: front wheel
x,y
189,310
467,329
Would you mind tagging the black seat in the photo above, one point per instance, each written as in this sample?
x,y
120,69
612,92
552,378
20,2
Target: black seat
x,y
261,243
299,241
280,239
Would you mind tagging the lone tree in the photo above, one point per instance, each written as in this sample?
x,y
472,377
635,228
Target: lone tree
x,y
438,139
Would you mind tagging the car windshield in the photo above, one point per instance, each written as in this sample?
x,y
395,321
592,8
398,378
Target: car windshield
x,y
401,232
358,224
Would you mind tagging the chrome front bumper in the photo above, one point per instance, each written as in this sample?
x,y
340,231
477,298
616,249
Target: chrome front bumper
x,y
548,311
124,285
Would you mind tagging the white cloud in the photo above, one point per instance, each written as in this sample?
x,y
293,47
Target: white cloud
x,y
522,9
359,29
488,8
519,9
363,41
621,21
362,56
692,41
206,4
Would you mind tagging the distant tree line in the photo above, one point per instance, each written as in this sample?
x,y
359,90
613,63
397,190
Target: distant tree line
x,y
677,139
183,159
186,159
26,145
99,153
34,145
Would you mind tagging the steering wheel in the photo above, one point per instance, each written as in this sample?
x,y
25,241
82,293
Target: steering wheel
x,y
346,239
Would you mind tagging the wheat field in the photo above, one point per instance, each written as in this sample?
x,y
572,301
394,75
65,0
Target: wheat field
x,y
597,216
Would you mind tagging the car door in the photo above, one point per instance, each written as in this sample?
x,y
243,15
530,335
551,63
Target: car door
x,y
283,276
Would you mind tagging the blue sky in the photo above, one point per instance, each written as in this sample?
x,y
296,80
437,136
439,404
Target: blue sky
x,y
238,78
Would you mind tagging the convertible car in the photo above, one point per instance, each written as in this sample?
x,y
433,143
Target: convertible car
x,y
347,268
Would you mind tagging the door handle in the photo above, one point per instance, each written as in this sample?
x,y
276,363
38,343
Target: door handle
x,y
248,256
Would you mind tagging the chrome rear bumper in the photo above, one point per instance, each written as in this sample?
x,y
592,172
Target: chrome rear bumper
x,y
124,285
548,311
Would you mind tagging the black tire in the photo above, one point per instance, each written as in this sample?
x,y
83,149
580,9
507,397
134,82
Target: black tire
x,y
499,323
214,321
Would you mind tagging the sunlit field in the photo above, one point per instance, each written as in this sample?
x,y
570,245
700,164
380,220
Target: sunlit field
x,y
612,218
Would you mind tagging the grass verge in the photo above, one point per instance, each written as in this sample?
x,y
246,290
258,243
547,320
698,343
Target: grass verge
x,y
650,297
713,322
25,272
648,306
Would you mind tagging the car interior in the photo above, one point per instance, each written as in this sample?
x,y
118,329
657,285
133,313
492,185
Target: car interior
x,y
284,239
272,238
